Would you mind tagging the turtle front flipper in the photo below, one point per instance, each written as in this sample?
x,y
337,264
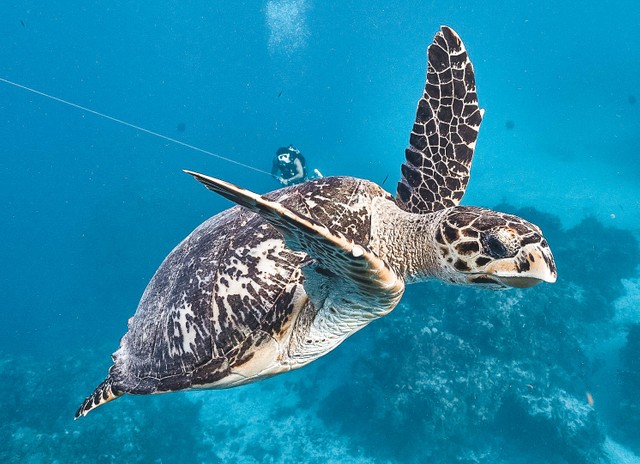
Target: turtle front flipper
x,y
443,138
347,283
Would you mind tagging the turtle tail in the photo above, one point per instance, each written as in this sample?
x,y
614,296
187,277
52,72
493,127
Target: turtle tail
x,y
103,393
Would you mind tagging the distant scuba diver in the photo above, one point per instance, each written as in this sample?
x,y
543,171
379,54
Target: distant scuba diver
x,y
290,167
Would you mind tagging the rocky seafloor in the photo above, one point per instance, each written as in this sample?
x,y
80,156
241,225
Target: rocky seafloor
x,y
453,375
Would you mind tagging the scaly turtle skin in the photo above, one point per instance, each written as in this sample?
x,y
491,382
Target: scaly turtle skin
x,y
283,279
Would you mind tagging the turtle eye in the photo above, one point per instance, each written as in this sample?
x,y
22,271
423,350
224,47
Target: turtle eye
x,y
494,247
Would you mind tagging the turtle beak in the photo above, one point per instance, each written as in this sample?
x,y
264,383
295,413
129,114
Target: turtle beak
x,y
532,265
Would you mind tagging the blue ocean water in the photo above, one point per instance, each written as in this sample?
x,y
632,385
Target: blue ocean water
x,y
91,207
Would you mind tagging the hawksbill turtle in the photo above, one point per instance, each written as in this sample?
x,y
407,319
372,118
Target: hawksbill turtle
x,y
280,280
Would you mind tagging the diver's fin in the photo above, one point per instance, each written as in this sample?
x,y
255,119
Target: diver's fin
x,y
103,393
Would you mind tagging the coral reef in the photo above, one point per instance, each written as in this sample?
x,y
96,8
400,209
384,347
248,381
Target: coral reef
x,y
629,376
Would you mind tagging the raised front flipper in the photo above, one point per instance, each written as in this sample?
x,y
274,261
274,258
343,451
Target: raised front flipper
x,y
443,138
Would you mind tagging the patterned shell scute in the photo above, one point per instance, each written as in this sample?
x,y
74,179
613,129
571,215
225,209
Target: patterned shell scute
x,y
228,288
341,203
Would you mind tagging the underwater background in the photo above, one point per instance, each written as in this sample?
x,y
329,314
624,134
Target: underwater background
x,y
90,208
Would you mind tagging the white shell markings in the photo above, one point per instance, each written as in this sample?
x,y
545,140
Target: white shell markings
x,y
266,266
187,331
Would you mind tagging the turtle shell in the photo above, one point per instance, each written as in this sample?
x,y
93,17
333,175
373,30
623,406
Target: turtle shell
x,y
228,289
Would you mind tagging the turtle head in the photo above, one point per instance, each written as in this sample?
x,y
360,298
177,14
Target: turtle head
x,y
478,246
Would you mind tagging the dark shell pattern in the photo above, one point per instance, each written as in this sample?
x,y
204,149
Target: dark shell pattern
x,y
188,331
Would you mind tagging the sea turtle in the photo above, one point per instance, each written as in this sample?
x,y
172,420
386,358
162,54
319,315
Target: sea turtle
x,y
273,284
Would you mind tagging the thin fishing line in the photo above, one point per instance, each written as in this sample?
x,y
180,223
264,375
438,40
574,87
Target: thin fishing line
x,y
125,123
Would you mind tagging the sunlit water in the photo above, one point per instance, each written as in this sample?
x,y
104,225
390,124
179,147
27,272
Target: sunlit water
x,y
91,207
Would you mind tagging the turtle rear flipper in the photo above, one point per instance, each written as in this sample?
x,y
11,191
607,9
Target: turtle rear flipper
x,y
103,393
